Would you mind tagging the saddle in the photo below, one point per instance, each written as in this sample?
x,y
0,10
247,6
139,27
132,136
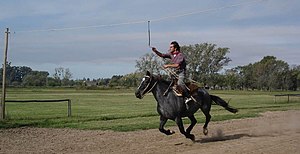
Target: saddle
x,y
192,87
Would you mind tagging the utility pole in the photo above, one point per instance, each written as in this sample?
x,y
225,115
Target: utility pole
x,y
2,105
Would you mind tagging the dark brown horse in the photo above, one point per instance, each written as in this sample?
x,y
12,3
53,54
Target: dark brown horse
x,y
170,106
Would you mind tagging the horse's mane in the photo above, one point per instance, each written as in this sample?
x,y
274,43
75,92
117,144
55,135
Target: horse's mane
x,y
161,79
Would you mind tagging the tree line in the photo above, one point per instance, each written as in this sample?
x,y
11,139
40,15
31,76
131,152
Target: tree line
x,y
206,64
24,76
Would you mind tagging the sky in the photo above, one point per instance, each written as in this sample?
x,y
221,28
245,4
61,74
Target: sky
x,y
101,38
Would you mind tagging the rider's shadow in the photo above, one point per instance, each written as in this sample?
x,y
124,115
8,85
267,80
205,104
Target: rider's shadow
x,y
222,138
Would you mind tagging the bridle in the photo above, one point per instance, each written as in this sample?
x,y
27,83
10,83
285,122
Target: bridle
x,y
145,91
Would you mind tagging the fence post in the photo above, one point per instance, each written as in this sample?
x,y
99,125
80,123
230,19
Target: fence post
x,y
69,108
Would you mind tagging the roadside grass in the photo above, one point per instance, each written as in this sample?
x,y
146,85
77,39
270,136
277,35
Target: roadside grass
x,y
119,110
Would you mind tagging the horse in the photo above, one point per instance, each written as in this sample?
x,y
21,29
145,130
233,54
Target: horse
x,y
173,107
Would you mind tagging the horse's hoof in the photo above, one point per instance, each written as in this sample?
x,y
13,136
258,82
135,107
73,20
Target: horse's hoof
x,y
170,132
205,131
192,137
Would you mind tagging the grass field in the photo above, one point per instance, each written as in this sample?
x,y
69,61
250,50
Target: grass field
x,y
119,110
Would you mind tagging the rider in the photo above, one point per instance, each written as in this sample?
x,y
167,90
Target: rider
x,y
178,63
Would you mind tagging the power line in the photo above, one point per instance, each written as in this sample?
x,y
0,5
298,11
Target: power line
x,y
208,10
84,27
143,21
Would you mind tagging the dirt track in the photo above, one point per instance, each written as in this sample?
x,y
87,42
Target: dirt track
x,y
274,132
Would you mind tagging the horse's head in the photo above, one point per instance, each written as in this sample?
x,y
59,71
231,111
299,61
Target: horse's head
x,y
147,84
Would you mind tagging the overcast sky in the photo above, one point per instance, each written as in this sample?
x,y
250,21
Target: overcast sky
x,y
101,38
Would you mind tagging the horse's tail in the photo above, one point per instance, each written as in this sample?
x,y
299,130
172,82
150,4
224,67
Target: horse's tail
x,y
221,102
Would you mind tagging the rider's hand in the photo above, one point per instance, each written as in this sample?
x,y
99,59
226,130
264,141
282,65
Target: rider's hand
x,y
154,49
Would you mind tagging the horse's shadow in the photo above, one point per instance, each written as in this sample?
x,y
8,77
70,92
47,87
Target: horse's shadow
x,y
223,138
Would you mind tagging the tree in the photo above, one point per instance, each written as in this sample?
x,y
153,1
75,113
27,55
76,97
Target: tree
x,y
131,80
15,74
232,79
270,73
149,62
294,78
115,80
205,60
246,76
36,78
66,78
267,74
103,81
62,76
19,73
52,82
62,73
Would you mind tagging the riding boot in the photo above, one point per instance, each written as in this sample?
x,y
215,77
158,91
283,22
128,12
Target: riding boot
x,y
185,93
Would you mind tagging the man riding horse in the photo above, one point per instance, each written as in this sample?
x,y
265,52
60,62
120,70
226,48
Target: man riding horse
x,y
179,64
169,105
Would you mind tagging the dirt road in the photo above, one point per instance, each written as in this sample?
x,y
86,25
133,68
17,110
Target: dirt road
x,y
273,132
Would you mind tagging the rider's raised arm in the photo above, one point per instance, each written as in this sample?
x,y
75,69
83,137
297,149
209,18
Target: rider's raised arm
x,y
160,54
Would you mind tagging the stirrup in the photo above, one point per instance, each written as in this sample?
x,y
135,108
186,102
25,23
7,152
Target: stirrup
x,y
190,98
187,100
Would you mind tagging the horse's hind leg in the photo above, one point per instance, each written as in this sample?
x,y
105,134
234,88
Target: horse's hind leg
x,y
181,128
205,109
193,123
163,121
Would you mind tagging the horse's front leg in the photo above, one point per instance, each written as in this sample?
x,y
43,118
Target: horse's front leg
x,y
181,128
193,123
163,121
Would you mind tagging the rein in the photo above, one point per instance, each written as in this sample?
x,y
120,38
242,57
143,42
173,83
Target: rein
x,y
143,93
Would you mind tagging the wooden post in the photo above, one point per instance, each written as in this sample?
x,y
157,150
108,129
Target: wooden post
x,y
69,108
2,105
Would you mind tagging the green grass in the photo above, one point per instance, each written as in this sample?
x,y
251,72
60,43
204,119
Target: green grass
x,y
119,110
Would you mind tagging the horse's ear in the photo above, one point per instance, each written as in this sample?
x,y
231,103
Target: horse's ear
x,y
148,73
